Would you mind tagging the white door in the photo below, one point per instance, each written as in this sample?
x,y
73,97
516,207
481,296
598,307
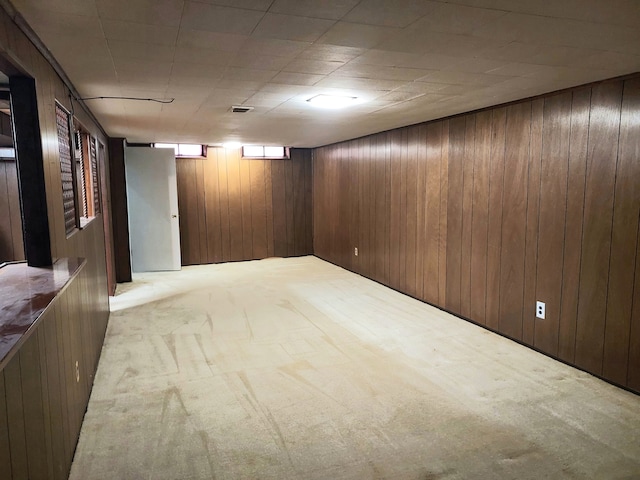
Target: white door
x,y
152,202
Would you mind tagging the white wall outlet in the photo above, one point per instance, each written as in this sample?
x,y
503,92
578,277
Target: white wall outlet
x,y
540,310
77,372
355,251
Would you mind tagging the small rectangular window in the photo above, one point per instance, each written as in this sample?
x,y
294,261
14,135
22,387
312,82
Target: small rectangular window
x,y
185,150
264,151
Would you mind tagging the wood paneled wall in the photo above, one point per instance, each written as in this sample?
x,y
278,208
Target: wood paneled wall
x,y
42,401
482,214
11,245
33,390
240,209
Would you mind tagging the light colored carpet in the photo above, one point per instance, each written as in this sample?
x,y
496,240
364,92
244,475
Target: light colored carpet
x,y
297,369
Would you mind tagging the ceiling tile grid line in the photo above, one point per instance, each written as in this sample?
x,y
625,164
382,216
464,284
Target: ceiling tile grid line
x,y
411,59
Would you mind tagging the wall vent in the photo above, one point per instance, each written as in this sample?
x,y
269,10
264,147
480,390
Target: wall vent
x,y
240,109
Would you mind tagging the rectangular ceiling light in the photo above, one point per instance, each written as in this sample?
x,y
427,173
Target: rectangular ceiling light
x,y
332,101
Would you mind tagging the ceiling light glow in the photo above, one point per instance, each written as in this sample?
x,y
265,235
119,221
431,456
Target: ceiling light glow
x,y
332,101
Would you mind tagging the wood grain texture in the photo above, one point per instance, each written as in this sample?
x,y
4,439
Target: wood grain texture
x,y
38,400
5,446
626,213
516,161
504,219
467,214
481,159
580,110
533,214
552,218
455,214
602,153
239,209
494,226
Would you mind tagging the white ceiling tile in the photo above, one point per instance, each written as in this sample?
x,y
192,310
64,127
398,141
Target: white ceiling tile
x,y
318,67
226,42
143,51
440,43
262,5
66,23
248,74
140,33
215,18
610,59
275,47
451,18
202,55
357,35
152,12
75,7
291,27
330,9
290,78
332,53
253,60
474,65
390,13
464,78
381,72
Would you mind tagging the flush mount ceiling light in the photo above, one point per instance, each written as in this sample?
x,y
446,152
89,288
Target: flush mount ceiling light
x,y
332,101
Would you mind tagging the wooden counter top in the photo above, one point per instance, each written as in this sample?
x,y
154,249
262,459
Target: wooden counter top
x,y
25,294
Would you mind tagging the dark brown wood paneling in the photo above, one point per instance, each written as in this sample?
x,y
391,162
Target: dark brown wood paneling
x,y
626,212
499,217
455,214
279,196
15,416
494,227
242,209
421,208
35,398
480,203
533,210
187,202
247,207
258,209
633,370
211,193
516,162
434,229
395,201
223,188
35,408
553,198
580,109
411,215
5,446
467,215
602,152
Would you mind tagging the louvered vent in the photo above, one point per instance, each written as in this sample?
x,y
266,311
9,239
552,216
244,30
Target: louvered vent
x,y
240,109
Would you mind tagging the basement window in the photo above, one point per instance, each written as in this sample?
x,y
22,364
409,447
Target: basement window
x,y
185,150
264,151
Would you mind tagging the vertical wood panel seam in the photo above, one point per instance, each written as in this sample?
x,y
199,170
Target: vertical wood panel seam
x,y
504,156
564,237
633,297
584,201
613,213
535,283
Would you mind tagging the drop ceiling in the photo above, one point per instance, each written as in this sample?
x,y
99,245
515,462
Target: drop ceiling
x,y
407,61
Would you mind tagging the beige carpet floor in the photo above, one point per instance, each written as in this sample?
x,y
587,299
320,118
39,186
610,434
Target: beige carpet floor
x,y
297,369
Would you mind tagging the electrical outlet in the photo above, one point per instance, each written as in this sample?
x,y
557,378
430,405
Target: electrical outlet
x,y
355,251
77,372
540,310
